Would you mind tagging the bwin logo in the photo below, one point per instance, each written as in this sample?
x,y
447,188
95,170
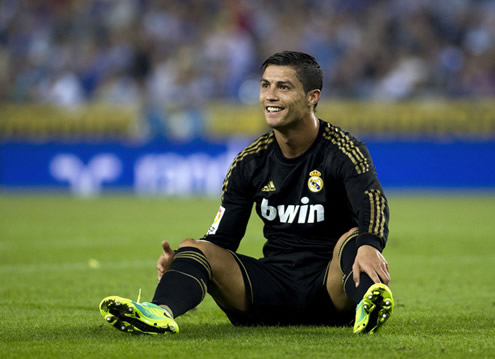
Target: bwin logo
x,y
305,213
85,180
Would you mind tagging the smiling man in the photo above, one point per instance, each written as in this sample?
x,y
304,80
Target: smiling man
x,y
325,224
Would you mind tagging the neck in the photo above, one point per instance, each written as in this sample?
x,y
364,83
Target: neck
x,y
294,141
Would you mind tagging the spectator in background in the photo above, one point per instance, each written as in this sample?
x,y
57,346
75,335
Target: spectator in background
x,y
177,54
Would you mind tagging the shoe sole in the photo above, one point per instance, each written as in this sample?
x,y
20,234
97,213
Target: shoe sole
x,y
378,306
124,316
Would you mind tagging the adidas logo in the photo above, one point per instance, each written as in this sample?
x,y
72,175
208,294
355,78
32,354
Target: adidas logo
x,y
270,187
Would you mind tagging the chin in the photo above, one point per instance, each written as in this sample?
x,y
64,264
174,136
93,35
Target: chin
x,y
272,124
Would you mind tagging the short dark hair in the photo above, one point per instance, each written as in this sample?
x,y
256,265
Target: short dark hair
x,y
307,69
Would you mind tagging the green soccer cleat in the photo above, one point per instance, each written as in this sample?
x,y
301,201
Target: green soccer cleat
x,y
374,309
132,317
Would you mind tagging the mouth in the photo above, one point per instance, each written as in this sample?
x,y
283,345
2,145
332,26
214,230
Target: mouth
x,y
273,109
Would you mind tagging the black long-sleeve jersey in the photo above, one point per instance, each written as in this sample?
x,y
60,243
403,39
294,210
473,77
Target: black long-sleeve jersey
x,y
306,203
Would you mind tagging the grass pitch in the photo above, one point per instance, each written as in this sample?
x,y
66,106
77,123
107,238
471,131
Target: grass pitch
x,y
59,256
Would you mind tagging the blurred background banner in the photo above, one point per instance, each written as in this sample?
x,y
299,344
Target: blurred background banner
x,y
157,97
195,168
198,168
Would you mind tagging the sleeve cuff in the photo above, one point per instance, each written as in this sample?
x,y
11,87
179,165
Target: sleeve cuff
x,y
370,239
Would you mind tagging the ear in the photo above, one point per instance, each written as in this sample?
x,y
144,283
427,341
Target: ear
x,y
313,97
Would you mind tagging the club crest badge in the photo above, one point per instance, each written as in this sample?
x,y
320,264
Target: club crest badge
x,y
315,183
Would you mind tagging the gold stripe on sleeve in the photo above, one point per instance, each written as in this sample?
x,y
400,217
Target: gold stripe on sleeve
x,y
347,146
377,212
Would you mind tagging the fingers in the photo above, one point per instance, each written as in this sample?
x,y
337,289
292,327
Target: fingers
x,y
384,273
375,277
163,262
160,270
166,247
373,263
371,272
160,267
382,269
356,273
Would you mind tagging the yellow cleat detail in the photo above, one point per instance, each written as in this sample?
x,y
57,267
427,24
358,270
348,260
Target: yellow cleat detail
x,y
374,310
133,317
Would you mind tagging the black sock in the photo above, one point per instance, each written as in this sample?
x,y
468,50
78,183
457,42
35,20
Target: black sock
x,y
347,256
184,285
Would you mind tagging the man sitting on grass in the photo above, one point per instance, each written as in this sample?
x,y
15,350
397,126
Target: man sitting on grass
x,y
325,221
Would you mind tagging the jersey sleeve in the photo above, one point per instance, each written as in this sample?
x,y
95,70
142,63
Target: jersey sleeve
x,y
229,225
366,195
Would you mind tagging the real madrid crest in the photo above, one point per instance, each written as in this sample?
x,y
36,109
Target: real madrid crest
x,y
315,183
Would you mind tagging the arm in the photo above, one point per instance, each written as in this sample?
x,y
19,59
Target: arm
x,y
367,199
229,225
371,210
231,220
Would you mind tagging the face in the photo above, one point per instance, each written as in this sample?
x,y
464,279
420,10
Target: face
x,y
283,99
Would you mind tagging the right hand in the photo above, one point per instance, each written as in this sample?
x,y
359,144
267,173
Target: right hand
x,y
163,263
373,263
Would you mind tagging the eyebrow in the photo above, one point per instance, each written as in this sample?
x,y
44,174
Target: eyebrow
x,y
279,83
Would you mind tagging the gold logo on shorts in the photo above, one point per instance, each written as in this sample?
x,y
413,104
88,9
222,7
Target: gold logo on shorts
x,y
315,183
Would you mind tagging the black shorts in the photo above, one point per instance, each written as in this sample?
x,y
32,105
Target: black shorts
x,y
287,289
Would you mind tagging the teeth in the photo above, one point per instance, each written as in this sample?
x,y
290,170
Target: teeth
x,y
273,109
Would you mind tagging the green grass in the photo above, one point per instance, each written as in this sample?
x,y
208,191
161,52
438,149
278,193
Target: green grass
x,y
59,256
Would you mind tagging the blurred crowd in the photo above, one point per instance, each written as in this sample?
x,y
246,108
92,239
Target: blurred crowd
x,y
184,52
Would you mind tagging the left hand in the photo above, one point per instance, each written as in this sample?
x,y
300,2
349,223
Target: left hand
x,y
373,263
